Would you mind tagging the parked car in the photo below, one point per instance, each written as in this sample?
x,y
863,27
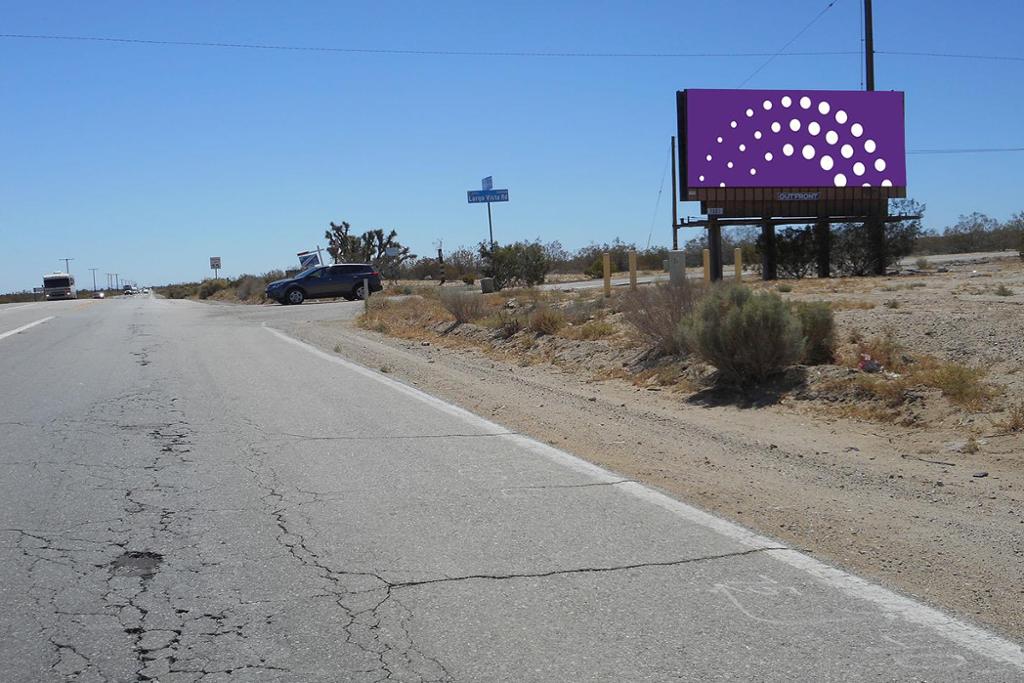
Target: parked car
x,y
97,295
322,282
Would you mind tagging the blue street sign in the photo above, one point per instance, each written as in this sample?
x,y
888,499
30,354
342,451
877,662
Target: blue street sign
x,y
488,196
487,183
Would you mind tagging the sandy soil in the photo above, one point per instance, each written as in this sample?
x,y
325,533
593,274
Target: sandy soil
x,y
905,506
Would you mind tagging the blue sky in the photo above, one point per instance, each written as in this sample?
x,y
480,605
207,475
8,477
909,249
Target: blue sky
x,y
146,160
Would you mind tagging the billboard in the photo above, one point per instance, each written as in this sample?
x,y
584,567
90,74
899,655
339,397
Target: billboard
x,y
785,139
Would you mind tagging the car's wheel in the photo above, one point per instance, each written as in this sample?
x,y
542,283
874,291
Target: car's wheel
x,y
360,291
295,296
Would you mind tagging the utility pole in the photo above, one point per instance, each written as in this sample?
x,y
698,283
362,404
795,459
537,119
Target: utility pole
x,y
117,284
675,200
94,278
67,264
869,48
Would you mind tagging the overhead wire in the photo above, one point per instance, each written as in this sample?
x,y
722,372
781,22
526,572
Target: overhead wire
x,y
397,51
789,42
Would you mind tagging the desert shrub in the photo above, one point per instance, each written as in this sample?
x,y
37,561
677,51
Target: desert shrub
x,y
785,288
580,311
506,324
519,264
595,271
468,279
546,320
1003,290
464,306
747,336
249,287
657,311
923,264
211,287
818,326
892,303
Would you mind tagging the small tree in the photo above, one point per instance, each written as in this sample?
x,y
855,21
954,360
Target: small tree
x,y
795,250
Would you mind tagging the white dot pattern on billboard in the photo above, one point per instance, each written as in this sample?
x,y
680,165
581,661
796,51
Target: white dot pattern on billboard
x,y
832,136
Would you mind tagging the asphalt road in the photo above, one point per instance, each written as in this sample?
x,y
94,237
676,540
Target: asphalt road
x,y
187,493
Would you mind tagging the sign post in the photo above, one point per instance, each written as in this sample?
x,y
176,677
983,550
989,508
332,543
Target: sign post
x,y
487,194
215,265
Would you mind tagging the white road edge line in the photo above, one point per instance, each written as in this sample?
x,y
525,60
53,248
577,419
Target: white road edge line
x,y
25,327
891,603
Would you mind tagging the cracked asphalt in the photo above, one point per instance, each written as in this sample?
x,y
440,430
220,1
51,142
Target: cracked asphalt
x,y
185,496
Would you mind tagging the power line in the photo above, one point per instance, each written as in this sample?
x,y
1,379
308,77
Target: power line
x,y
950,55
792,40
977,150
390,51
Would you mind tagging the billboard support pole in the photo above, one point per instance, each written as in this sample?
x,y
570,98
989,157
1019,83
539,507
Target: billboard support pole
x,y
715,246
869,48
823,240
675,200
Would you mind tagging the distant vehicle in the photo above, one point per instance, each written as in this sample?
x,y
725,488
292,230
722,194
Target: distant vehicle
x,y
98,295
59,286
321,282
146,290
128,290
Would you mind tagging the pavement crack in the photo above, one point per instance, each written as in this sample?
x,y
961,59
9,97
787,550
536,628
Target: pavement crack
x,y
545,487
394,585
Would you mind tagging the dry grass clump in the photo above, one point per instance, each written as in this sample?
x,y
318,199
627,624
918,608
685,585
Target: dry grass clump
x,y
464,306
959,383
593,329
1014,421
546,320
851,304
657,311
406,317
818,327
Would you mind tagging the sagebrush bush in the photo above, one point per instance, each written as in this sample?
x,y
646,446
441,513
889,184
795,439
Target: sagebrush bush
x,y
464,306
657,311
211,287
748,337
249,287
818,327
546,320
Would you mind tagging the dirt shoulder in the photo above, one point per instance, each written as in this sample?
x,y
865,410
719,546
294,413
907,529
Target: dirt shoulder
x,y
882,500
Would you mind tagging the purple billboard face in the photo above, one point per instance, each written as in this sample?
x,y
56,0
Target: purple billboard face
x,y
794,138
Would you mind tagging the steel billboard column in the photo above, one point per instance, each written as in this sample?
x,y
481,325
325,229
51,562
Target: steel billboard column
x,y
769,267
715,247
823,242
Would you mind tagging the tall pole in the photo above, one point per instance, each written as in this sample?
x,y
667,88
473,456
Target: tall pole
x,y
869,48
94,278
117,284
675,200
67,264
490,225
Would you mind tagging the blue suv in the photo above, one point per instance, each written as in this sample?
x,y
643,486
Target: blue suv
x,y
322,282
